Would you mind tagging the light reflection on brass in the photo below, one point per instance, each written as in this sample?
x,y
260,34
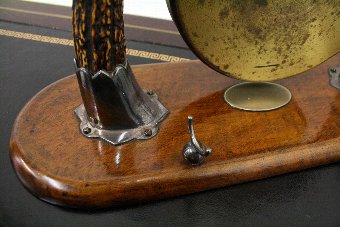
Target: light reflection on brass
x,y
260,40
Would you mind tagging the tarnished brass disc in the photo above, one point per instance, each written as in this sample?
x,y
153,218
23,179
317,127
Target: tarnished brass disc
x,y
257,96
259,40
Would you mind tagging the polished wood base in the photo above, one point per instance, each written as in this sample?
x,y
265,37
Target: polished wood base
x,y
59,165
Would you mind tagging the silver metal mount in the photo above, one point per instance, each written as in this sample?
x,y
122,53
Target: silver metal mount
x,y
194,151
334,77
115,109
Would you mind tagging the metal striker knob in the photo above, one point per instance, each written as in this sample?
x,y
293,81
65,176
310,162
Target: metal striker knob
x,y
194,152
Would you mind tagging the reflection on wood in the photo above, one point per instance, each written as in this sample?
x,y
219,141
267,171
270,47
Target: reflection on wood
x,y
59,165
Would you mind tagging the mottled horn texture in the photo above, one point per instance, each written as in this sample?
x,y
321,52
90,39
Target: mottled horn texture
x,y
98,33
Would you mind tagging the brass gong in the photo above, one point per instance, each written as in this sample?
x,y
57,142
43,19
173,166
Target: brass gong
x,y
259,40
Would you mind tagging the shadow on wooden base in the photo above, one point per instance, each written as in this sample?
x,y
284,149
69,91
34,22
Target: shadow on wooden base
x,y
59,165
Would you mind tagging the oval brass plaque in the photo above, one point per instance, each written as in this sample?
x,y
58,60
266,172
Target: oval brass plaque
x,y
257,96
259,40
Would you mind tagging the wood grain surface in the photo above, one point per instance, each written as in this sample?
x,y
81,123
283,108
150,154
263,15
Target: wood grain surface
x,y
59,165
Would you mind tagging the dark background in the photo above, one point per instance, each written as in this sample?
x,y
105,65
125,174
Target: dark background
x,y
306,198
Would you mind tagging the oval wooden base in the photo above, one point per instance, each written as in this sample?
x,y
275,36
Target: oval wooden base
x,y
59,165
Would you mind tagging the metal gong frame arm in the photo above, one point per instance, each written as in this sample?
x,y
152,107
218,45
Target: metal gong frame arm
x,y
114,108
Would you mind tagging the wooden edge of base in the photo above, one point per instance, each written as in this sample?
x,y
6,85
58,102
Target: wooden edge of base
x,y
172,179
121,193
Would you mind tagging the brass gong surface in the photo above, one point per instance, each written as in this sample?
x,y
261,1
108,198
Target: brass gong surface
x,y
259,40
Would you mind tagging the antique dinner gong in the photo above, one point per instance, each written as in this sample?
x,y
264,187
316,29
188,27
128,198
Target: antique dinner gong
x,y
259,40
113,134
